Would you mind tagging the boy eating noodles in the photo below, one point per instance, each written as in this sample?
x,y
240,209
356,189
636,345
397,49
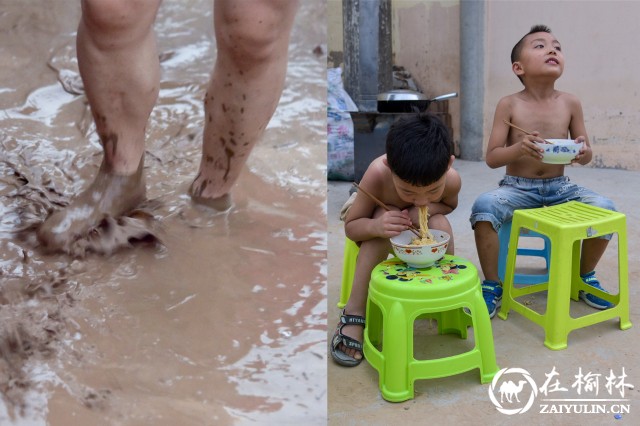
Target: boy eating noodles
x,y
416,171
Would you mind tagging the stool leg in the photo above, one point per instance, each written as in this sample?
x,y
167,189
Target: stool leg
x,y
503,236
556,326
454,321
397,347
484,339
623,280
351,250
507,285
374,322
576,281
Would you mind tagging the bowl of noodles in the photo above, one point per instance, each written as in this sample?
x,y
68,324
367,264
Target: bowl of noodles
x,y
420,252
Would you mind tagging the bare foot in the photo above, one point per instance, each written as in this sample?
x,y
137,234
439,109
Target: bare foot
x,y
199,187
108,195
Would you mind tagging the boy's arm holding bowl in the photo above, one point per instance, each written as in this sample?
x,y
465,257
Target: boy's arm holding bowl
x,y
362,223
578,131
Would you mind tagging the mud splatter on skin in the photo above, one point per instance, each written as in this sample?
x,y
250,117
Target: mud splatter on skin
x,y
202,188
110,144
219,164
229,153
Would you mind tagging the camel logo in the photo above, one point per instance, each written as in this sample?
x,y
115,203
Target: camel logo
x,y
510,384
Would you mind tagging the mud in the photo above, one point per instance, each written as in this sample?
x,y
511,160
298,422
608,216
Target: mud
x,y
200,316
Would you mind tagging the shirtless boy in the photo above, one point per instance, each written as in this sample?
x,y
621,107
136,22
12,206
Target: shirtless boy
x,y
537,60
415,171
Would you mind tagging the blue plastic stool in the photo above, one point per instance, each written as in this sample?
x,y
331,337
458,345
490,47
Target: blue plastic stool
x,y
545,253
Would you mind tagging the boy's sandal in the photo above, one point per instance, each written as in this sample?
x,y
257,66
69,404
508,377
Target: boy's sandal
x,y
340,339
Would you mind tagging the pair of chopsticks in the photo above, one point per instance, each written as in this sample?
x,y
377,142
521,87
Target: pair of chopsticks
x,y
384,206
524,131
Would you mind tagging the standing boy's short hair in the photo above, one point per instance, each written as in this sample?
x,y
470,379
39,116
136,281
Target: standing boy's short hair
x,y
419,148
515,52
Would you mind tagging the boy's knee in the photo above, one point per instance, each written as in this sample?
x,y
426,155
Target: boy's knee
x,y
117,16
255,31
439,221
484,203
606,203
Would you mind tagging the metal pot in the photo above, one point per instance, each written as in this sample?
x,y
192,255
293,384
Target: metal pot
x,y
403,100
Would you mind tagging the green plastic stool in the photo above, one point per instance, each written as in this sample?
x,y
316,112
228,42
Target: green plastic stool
x,y
398,295
351,251
566,225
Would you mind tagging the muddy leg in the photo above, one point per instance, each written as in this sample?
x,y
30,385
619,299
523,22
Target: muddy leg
x,y
252,38
118,62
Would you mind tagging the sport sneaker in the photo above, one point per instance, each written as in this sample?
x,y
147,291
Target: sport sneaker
x,y
492,293
590,299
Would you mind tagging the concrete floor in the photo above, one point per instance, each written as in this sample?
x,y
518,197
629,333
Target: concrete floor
x,y
354,397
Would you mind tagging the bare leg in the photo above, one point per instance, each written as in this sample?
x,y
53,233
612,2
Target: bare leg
x,y
488,246
371,253
118,62
252,38
592,251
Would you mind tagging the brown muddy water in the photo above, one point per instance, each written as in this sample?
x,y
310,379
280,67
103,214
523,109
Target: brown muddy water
x,y
222,323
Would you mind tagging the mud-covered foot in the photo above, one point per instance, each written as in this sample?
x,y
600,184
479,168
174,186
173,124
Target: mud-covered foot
x,y
201,195
108,195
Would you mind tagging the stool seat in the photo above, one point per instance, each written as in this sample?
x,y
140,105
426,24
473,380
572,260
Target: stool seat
x,y
449,291
566,225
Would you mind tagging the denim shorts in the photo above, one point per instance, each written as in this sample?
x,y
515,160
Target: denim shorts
x,y
497,206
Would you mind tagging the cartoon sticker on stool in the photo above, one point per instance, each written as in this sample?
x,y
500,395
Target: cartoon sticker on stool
x,y
400,271
397,271
448,268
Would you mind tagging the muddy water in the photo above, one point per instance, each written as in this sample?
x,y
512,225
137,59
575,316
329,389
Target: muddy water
x,y
222,323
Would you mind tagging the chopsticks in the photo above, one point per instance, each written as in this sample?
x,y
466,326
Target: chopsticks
x,y
384,206
524,131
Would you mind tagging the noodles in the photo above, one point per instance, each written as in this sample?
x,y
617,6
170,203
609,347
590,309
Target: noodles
x,y
425,236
